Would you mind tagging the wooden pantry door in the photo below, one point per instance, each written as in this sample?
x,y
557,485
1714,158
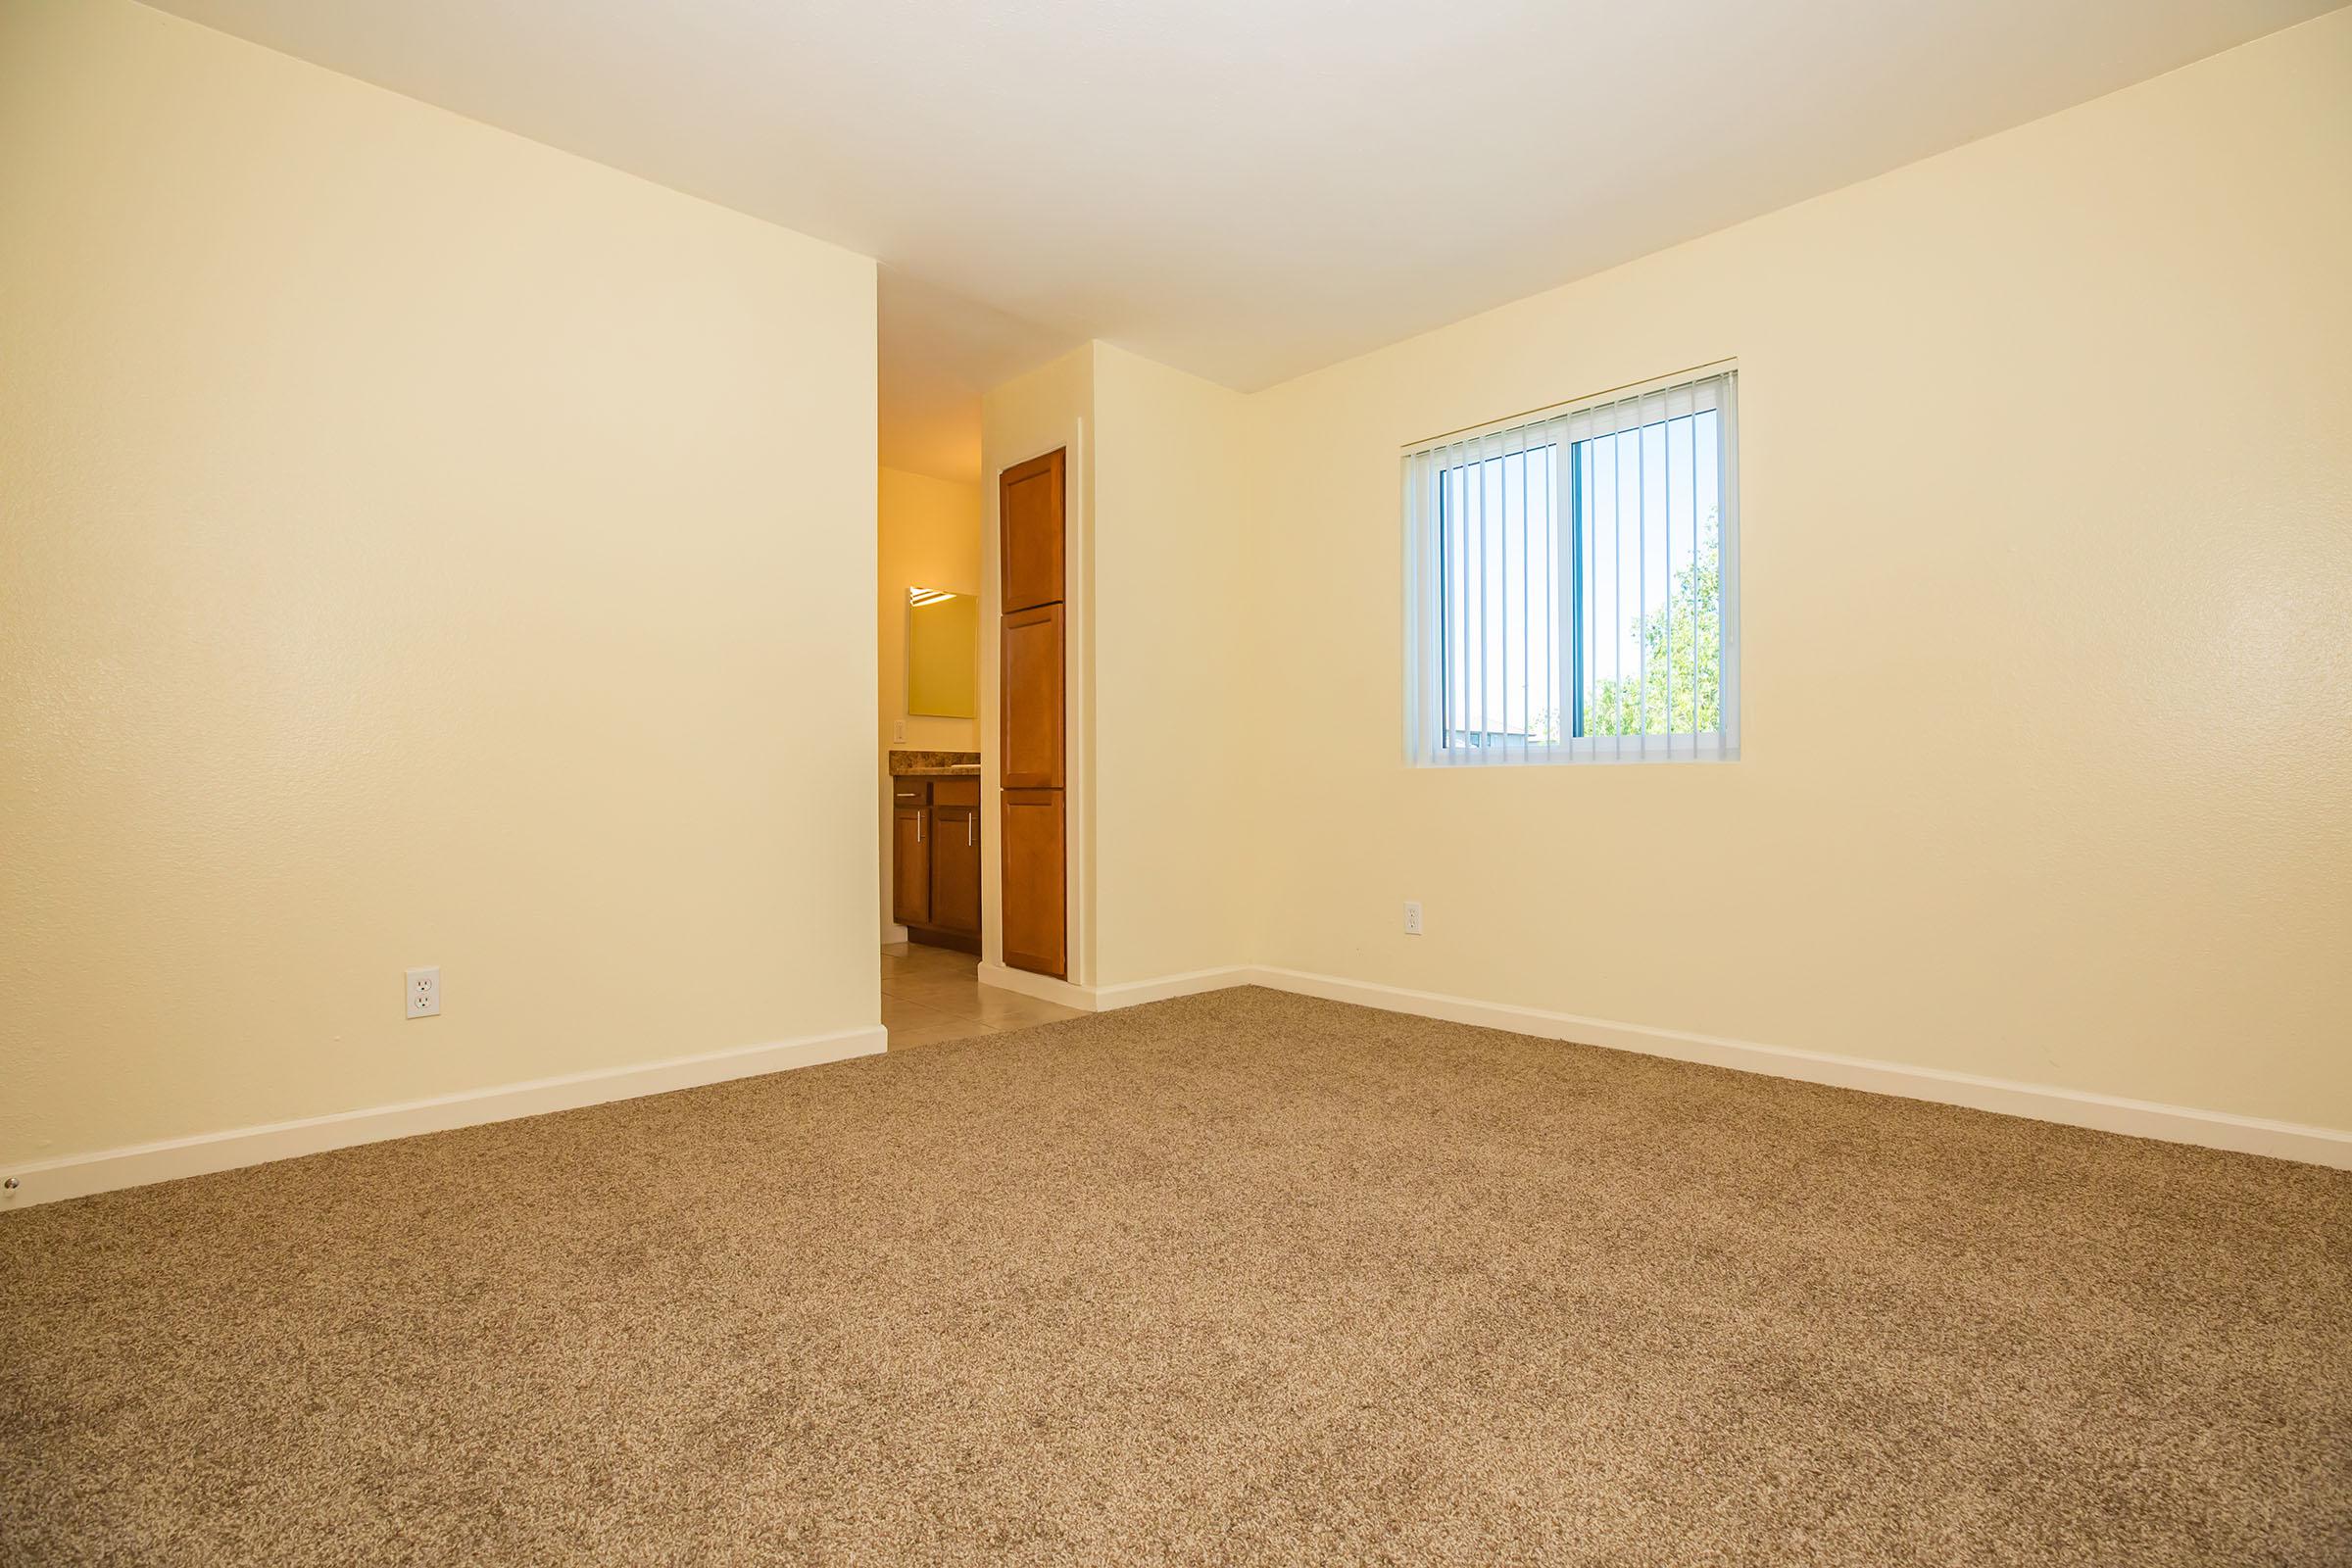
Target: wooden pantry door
x,y
1032,736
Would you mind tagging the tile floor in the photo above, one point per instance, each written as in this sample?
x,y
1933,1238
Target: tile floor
x,y
931,995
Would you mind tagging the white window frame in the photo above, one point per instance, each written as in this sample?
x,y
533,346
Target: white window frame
x,y
1712,386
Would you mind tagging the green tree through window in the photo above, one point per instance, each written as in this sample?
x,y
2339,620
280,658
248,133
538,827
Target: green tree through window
x,y
1681,643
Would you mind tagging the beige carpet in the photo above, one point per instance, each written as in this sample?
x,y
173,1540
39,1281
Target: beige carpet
x,y
1242,1278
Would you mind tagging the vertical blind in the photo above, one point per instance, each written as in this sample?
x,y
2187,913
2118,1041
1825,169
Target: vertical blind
x,y
1572,583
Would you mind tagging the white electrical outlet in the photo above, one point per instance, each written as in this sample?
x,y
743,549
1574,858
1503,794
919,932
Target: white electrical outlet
x,y
1412,918
425,993
897,729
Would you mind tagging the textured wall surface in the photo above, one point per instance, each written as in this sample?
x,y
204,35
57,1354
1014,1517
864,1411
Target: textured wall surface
x,y
1172,783
2046,770
417,546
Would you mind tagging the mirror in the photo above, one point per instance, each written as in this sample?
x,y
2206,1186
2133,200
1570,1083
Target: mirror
x,y
943,653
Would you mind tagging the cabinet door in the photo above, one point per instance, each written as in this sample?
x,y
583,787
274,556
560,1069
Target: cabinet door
x,y
1029,514
1034,927
911,865
956,869
1031,700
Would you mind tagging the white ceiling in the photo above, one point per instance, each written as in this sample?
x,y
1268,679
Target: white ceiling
x,y
1247,189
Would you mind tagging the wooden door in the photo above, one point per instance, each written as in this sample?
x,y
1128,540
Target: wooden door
x,y
956,869
1029,525
911,865
1034,884
1030,709
1030,693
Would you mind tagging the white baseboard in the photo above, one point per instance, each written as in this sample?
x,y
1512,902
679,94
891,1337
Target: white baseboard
x,y
77,1176
1191,983
1045,988
1103,998
80,1175
2138,1118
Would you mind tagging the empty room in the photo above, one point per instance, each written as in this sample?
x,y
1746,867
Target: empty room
x,y
1200,781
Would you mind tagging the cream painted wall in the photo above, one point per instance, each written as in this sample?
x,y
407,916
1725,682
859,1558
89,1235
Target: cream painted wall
x,y
928,535
1173,668
1052,405
2046,764
1159,719
419,547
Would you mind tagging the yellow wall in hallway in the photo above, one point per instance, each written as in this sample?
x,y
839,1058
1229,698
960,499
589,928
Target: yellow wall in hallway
x,y
420,547
928,535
